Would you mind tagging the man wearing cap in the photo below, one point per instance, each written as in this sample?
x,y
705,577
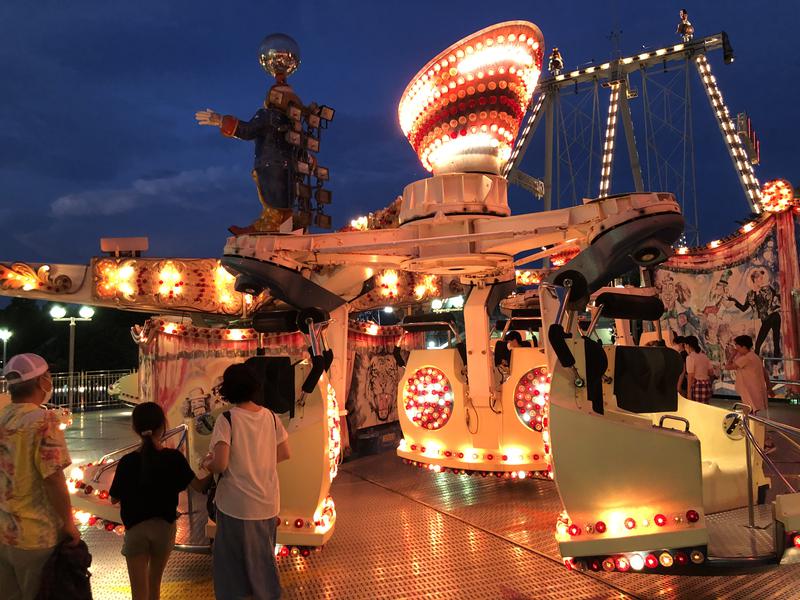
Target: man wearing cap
x,y
35,509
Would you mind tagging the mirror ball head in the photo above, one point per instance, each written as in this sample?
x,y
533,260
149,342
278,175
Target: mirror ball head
x,y
279,55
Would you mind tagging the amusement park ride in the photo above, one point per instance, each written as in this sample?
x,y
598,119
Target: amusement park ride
x,y
637,467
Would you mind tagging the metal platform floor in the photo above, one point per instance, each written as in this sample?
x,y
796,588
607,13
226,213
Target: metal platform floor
x,y
409,533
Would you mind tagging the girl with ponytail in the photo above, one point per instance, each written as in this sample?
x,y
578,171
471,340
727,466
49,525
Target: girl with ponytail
x,y
146,484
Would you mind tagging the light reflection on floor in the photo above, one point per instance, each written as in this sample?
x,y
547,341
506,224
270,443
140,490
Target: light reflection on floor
x,y
408,533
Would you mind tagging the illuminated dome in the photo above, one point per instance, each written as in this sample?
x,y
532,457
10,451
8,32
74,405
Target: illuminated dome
x,y
777,195
428,398
531,396
462,111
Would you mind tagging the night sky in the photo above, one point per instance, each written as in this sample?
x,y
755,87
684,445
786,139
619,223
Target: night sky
x,y
98,136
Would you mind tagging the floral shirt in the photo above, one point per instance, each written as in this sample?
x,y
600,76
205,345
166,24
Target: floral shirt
x,y
32,447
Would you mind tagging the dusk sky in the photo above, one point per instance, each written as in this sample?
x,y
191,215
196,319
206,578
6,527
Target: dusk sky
x,y
98,136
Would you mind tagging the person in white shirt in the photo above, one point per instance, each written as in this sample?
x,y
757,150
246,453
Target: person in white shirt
x,y
246,451
698,371
752,380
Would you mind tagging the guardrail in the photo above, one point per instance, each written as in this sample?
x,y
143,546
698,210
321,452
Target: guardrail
x,y
774,359
90,389
782,429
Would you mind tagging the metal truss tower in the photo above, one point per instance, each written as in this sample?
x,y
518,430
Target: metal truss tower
x,y
580,148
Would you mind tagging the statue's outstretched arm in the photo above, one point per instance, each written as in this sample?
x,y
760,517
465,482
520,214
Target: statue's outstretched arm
x,y
230,126
208,117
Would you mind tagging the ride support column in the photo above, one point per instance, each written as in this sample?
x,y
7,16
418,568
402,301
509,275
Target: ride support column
x,y
479,365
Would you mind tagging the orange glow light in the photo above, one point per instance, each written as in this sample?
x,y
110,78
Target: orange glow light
x,y
223,283
777,195
389,282
528,277
360,223
463,110
118,279
170,281
425,287
748,227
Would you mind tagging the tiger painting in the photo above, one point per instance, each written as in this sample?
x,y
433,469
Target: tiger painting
x,y
373,389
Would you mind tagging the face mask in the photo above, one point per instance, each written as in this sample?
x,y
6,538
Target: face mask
x,y
48,394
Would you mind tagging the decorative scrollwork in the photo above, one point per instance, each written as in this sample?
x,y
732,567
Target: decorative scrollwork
x,y
20,276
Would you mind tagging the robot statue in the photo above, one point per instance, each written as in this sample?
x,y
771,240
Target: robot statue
x,y
555,64
286,134
685,28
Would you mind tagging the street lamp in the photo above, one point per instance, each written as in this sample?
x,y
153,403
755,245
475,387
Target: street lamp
x,y
5,335
59,313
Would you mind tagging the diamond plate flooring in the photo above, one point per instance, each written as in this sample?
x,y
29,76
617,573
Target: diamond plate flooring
x,y
409,533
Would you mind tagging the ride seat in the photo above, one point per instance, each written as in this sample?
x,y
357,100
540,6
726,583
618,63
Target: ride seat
x,y
646,379
501,353
723,459
596,366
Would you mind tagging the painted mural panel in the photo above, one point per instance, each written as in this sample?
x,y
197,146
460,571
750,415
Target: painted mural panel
x,y
720,302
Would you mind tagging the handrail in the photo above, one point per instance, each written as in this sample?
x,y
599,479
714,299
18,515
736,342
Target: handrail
x,y
105,466
674,418
783,430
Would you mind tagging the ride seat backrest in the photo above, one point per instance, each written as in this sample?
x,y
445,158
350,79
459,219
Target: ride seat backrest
x,y
630,306
501,353
596,366
461,348
276,375
646,379
558,342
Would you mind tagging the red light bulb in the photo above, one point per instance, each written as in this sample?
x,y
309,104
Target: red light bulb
x,y
650,561
660,520
574,530
630,523
600,527
692,516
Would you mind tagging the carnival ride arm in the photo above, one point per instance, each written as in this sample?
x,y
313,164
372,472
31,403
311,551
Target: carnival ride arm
x,y
284,453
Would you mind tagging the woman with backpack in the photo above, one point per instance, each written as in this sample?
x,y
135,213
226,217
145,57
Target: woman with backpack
x,y
246,447
146,483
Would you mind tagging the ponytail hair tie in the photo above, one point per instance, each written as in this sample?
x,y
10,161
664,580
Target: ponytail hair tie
x,y
146,433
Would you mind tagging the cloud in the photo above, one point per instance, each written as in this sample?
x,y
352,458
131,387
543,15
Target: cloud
x,y
194,189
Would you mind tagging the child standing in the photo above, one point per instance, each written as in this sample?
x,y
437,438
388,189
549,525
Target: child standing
x,y
698,371
146,484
